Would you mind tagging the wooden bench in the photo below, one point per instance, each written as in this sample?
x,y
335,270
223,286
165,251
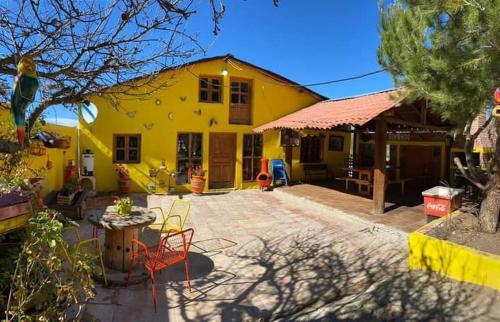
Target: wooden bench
x,y
315,169
364,186
401,182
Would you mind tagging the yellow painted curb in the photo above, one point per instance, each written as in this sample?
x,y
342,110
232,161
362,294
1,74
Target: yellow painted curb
x,y
458,262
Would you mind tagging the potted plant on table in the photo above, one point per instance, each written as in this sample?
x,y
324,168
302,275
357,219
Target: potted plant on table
x,y
197,179
123,178
123,206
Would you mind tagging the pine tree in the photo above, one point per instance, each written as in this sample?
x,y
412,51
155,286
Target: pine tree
x,y
448,52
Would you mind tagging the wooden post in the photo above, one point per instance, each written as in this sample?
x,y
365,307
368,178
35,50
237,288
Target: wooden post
x,y
379,173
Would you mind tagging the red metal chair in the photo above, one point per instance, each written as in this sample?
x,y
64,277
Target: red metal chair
x,y
171,250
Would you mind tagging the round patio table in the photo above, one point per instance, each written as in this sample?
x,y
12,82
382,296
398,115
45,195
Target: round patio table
x,y
119,232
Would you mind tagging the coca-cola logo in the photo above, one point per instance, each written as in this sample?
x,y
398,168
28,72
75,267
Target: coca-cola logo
x,y
436,206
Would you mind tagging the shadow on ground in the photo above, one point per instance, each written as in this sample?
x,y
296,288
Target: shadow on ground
x,y
305,277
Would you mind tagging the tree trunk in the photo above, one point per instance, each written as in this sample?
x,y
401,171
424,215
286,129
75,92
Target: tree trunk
x,y
490,207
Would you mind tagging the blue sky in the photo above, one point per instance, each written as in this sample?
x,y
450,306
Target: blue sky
x,y
306,41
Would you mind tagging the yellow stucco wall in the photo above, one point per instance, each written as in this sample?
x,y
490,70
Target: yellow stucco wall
x,y
270,100
54,177
59,157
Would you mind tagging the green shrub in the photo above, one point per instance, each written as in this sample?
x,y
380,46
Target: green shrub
x,y
50,275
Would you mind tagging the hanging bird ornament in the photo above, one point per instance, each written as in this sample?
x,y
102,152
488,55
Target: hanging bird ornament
x,y
25,87
496,109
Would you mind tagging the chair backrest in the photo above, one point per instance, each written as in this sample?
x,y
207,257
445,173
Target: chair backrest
x,y
178,242
180,208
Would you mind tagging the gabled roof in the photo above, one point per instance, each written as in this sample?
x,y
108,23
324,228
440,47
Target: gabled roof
x,y
328,114
277,77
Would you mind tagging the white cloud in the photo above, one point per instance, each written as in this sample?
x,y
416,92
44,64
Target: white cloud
x,y
62,121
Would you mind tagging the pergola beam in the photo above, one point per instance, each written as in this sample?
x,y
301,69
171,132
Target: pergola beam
x,y
419,125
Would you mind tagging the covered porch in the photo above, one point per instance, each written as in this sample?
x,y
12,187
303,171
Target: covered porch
x,y
392,145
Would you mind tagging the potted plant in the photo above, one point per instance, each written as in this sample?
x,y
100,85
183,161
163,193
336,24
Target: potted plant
x,y
197,179
123,178
67,194
123,206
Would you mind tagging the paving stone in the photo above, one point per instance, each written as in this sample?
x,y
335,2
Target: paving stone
x,y
279,256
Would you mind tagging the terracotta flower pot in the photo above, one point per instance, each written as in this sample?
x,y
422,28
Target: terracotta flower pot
x,y
124,184
197,184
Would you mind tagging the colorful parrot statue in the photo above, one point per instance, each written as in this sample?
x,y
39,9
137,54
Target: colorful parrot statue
x,y
25,87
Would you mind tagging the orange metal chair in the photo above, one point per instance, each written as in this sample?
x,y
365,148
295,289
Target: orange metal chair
x,y
172,249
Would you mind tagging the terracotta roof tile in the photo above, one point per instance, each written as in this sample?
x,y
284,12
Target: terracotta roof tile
x,y
331,113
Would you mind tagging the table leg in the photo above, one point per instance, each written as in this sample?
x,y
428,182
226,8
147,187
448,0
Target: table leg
x,y
118,248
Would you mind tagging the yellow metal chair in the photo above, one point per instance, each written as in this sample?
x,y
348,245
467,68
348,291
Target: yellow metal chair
x,y
97,248
175,219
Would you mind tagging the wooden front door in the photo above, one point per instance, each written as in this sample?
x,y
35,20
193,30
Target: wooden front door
x,y
222,160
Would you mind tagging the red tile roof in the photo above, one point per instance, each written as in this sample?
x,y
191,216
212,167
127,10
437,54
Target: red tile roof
x,y
331,113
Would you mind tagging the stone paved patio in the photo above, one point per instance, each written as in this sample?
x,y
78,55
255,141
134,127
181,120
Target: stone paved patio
x,y
272,256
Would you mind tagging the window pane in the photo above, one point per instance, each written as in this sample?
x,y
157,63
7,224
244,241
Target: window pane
x,y
247,169
182,145
203,82
120,155
203,96
247,145
234,98
256,167
257,143
244,99
215,97
182,171
120,141
196,145
244,87
133,141
215,83
133,155
235,87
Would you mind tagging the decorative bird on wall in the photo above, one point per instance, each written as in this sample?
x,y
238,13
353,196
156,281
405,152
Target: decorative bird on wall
x,y
25,87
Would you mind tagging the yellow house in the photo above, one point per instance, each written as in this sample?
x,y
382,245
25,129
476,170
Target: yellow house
x,y
204,117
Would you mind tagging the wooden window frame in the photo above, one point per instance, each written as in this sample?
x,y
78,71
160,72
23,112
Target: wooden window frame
x,y
127,148
252,157
308,146
248,105
189,158
210,89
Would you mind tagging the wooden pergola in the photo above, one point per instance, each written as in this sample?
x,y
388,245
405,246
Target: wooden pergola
x,y
379,113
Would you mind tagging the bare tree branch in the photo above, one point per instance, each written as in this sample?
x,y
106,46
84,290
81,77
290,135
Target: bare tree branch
x,y
87,46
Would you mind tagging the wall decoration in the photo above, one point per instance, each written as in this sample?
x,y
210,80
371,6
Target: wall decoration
x,y
148,126
197,112
336,143
183,98
213,122
170,115
131,114
158,101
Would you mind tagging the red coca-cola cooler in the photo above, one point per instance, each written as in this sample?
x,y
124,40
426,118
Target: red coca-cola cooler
x,y
440,201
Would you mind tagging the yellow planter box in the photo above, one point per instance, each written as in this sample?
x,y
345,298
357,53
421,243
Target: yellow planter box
x,y
14,223
455,261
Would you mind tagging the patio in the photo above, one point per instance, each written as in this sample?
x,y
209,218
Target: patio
x,y
274,256
403,212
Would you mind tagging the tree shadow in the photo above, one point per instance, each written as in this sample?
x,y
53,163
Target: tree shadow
x,y
310,276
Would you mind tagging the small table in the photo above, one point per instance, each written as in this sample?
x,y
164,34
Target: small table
x,y
120,230
362,176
